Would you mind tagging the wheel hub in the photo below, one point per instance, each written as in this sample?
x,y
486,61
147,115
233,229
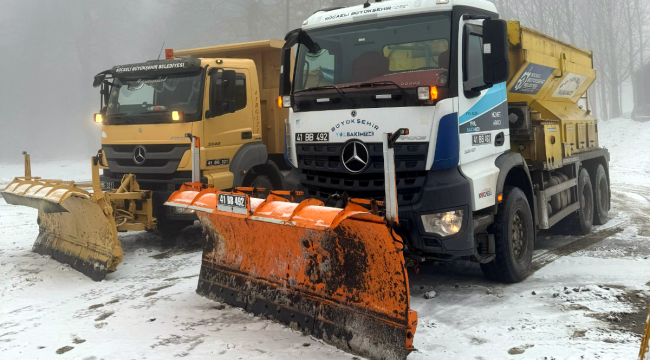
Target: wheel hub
x,y
518,237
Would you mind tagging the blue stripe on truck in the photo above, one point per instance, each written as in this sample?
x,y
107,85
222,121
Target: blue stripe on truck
x,y
492,98
447,153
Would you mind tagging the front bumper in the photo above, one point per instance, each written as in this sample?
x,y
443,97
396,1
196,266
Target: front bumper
x,y
162,189
443,190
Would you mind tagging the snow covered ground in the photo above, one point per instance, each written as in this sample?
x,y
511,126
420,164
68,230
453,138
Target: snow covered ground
x,y
586,299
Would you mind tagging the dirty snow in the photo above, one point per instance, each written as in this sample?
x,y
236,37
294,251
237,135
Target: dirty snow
x,y
586,299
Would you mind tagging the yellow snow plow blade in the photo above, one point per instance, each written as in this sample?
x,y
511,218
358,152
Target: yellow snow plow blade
x,y
78,223
336,274
644,354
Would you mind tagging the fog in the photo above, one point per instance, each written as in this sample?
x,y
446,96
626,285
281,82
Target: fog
x,y
50,51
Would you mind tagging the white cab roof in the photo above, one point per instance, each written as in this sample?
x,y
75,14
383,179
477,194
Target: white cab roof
x,y
390,8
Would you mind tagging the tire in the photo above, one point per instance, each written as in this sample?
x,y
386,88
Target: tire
x,y
514,236
581,222
601,195
262,181
169,230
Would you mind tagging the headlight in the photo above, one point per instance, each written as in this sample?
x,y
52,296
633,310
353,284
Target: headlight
x,y
443,224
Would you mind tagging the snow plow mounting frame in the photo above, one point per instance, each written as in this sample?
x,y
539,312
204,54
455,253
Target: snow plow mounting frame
x,y
79,222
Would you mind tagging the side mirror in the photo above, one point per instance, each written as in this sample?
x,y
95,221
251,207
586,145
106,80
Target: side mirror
x,y
222,92
99,79
496,63
285,72
290,40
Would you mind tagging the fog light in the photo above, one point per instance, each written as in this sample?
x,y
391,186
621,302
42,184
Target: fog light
x,y
443,224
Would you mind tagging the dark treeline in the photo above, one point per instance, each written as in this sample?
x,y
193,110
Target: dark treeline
x,y
615,30
50,51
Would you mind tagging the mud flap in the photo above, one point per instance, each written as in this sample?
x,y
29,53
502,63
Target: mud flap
x,y
73,227
336,274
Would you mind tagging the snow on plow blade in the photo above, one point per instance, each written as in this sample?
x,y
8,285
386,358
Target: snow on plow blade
x,y
336,274
73,228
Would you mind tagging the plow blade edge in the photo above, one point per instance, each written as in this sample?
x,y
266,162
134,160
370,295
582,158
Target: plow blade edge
x,y
336,274
73,227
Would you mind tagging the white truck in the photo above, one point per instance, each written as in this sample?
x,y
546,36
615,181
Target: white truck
x,y
499,145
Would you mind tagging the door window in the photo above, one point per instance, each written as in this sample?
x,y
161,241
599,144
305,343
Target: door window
x,y
473,58
241,96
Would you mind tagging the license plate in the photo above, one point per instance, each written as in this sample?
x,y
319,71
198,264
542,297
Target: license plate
x,y
107,185
484,139
232,200
313,137
232,203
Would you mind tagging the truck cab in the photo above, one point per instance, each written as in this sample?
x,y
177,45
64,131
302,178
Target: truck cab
x,y
222,95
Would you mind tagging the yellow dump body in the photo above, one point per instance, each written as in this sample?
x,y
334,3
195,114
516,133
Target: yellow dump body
x,y
551,76
267,55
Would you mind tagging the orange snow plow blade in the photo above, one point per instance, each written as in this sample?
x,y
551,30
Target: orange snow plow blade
x,y
336,274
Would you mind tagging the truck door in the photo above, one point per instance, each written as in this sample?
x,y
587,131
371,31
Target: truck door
x,y
483,116
224,134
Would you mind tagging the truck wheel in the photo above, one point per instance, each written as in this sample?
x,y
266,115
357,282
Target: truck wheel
x,y
262,181
170,230
601,195
581,222
514,236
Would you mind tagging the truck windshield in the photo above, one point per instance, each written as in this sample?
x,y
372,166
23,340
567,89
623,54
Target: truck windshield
x,y
139,98
409,52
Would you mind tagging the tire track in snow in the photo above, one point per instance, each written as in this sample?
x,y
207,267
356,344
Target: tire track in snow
x,y
545,258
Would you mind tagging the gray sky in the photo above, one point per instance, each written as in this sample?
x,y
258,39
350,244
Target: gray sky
x,y
50,51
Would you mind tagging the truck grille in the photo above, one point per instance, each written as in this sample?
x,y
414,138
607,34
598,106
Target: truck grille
x,y
323,174
160,159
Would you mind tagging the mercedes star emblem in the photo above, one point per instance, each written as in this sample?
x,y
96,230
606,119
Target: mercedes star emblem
x,y
354,113
355,157
139,155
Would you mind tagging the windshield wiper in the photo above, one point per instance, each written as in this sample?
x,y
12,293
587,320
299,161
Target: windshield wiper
x,y
385,82
327,87
122,116
156,112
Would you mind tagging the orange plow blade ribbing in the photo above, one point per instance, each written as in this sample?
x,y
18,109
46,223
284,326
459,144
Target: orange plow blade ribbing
x,y
336,274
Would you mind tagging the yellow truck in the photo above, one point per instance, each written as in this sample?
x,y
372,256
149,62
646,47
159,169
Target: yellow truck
x,y
223,95
207,115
